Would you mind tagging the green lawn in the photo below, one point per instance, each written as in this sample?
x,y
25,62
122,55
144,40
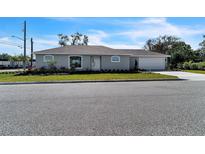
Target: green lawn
x,y
195,71
101,76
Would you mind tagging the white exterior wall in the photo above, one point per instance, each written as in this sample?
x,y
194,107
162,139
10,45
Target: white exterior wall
x,y
107,64
152,63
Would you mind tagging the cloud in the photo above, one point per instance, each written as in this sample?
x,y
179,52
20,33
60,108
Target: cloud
x,y
10,49
153,21
61,18
4,38
139,31
129,33
153,27
9,45
123,46
47,42
97,37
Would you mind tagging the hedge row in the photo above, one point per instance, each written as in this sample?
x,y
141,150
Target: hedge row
x,y
192,66
69,71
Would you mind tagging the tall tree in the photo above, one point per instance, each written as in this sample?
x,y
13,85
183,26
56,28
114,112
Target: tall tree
x,y
202,44
4,56
161,44
180,52
63,39
76,39
85,40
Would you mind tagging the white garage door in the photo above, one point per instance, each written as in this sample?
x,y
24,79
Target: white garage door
x,y
152,63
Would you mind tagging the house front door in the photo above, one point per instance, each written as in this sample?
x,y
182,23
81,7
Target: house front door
x,y
95,63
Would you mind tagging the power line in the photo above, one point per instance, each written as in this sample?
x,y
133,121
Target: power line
x,y
10,43
13,44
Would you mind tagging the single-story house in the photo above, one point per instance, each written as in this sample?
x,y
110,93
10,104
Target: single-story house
x,y
96,58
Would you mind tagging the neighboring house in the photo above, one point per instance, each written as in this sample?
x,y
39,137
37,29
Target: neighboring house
x,y
98,58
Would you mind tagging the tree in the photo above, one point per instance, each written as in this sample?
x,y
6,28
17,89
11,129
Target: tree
x,y
199,55
201,51
161,44
85,40
202,44
149,45
4,56
21,58
180,52
74,39
171,45
63,39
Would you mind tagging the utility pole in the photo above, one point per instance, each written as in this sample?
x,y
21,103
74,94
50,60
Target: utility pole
x,y
31,52
24,61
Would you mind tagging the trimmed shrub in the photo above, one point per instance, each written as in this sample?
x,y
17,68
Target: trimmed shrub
x,y
201,66
186,65
194,66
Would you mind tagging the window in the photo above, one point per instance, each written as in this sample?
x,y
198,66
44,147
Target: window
x,y
76,61
115,59
48,58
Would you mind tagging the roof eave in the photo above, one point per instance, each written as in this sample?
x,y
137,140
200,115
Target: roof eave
x,y
152,56
81,54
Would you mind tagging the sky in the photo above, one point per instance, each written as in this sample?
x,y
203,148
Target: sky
x,y
113,32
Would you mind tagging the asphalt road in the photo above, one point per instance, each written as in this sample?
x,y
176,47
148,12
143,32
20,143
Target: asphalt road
x,y
132,108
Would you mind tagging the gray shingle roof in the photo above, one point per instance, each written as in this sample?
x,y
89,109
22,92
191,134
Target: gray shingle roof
x,y
142,53
99,50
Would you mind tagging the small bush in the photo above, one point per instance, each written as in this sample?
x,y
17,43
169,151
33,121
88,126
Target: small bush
x,y
51,64
186,65
194,66
201,66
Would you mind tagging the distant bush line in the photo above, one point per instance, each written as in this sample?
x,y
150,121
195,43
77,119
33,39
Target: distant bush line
x,y
192,66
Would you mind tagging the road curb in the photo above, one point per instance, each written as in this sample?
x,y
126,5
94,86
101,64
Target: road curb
x,y
85,81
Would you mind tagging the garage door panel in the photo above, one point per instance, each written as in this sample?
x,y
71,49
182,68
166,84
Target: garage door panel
x,y
152,63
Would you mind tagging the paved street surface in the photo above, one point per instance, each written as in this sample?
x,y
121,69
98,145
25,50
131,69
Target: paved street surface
x,y
120,108
185,75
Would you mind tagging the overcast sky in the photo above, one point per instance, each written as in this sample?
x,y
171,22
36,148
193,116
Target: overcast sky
x,y
112,32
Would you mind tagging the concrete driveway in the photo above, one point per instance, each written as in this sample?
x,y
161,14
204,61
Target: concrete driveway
x,y
185,75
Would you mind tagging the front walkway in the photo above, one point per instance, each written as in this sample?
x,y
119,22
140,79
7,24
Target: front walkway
x,y
185,75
